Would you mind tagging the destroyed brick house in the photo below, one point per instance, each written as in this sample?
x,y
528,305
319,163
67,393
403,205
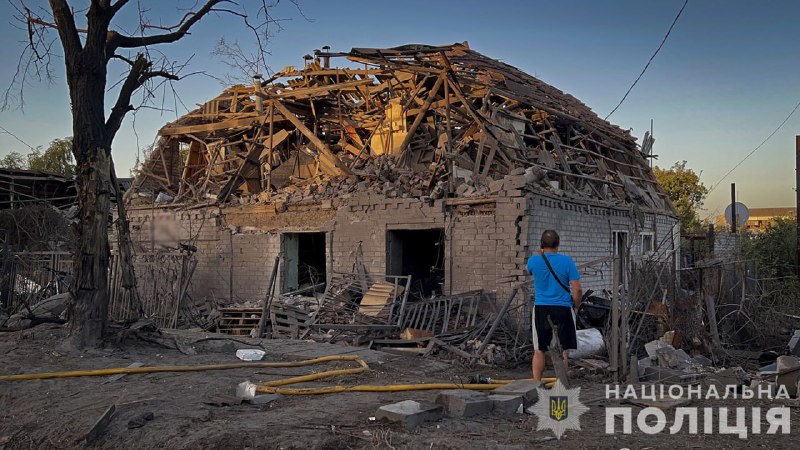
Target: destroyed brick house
x,y
435,162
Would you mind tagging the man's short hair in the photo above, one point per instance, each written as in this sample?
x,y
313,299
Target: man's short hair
x,y
550,239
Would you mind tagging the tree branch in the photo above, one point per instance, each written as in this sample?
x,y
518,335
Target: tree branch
x,y
117,40
65,24
139,74
99,15
118,5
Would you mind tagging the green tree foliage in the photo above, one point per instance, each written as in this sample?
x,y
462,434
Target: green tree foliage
x,y
56,158
14,160
687,193
774,249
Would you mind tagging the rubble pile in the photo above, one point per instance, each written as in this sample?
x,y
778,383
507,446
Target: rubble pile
x,y
413,121
666,364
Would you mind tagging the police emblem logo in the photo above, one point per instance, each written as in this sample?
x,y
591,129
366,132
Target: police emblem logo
x,y
558,409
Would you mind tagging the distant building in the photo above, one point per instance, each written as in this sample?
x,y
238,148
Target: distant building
x,y
19,187
22,187
760,218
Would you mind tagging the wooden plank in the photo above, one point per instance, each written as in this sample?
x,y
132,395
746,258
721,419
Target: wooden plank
x,y
564,165
615,313
328,161
172,130
318,90
377,298
490,157
421,115
100,425
251,163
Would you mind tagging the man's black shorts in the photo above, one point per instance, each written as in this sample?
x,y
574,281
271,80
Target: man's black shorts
x,y
562,317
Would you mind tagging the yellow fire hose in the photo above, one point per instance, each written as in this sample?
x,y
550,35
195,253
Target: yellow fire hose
x,y
273,386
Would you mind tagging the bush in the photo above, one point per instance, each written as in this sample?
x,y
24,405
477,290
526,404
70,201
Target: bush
x,y
774,249
36,228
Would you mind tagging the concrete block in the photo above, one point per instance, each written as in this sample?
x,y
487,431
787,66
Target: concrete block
x,y
787,362
464,403
764,385
726,379
495,186
410,413
514,182
794,344
789,373
505,404
527,389
675,359
652,347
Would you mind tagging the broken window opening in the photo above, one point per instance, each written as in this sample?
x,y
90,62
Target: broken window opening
x,y
304,262
621,250
419,253
647,246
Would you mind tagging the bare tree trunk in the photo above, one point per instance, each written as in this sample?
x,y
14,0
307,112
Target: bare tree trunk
x,y
89,307
87,52
88,311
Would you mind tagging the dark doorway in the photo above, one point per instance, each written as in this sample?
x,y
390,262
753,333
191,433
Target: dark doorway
x,y
304,261
419,253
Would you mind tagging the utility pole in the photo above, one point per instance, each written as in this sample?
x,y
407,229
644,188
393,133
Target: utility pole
x,y
733,208
651,149
797,205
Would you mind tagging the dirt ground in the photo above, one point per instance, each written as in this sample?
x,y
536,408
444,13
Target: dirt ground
x,y
57,413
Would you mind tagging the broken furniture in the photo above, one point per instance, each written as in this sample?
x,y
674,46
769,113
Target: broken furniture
x,y
348,306
238,320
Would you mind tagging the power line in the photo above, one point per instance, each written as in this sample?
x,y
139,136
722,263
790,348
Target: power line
x,y
16,137
650,60
796,107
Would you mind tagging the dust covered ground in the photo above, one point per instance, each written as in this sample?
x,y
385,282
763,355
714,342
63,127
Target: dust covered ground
x,y
57,413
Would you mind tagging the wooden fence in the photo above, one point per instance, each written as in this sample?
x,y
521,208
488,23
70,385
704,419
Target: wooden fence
x,y
163,282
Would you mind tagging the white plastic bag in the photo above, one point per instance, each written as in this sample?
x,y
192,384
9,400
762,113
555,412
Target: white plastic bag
x,y
590,343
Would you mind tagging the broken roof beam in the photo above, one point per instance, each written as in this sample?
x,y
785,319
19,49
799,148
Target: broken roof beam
x,y
411,130
307,92
329,163
251,162
174,129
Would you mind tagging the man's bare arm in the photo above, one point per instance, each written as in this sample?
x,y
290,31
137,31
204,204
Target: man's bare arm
x,y
577,293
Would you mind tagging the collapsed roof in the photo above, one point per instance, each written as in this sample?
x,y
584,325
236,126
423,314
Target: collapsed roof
x,y
414,120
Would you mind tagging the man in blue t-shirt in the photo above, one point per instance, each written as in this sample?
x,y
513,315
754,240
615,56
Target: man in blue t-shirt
x,y
558,293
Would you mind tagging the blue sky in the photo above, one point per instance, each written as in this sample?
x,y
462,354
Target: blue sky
x,y
727,76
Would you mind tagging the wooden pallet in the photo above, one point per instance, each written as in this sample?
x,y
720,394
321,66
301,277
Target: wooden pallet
x,y
289,322
238,321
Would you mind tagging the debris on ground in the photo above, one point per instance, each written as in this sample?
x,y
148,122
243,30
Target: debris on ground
x,y
141,420
464,403
99,427
410,413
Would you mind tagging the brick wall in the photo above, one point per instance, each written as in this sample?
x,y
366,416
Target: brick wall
x,y
727,245
486,245
219,250
367,220
587,233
